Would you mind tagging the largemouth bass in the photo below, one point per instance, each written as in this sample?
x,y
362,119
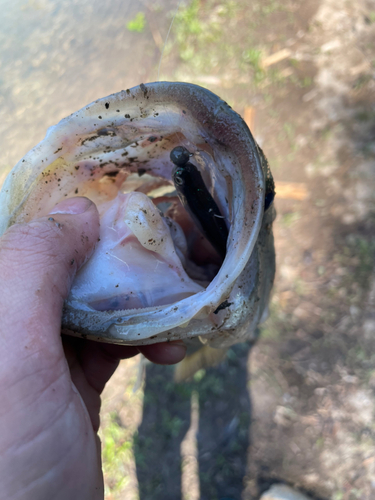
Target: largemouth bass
x,y
155,274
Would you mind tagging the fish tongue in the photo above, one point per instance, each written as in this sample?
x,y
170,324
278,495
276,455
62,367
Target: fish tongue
x,y
135,264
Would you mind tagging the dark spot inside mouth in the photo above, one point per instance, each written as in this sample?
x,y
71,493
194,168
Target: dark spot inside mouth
x,y
105,131
222,306
141,171
106,105
112,174
92,138
127,116
152,138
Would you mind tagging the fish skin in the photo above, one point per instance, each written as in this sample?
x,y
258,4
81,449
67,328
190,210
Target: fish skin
x,y
246,276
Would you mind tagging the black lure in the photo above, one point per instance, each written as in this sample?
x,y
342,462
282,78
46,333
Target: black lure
x,y
196,199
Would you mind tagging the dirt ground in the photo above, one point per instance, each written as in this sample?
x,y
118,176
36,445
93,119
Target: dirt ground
x,y
298,406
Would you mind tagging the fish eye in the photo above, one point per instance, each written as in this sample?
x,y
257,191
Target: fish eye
x,y
178,180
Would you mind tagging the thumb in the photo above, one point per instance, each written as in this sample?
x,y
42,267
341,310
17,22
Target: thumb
x,y
38,262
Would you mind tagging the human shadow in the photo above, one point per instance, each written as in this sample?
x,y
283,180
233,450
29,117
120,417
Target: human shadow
x,y
223,431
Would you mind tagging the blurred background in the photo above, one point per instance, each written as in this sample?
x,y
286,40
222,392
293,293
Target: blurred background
x,y
299,406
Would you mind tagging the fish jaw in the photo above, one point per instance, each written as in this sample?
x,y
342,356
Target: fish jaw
x,y
134,131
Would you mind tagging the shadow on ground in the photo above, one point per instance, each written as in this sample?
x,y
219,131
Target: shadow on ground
x,y
222,416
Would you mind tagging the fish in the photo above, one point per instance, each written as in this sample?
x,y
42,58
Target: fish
x,y
156,274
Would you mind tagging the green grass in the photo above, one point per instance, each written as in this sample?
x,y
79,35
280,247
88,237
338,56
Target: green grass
x,y
290,134
301,82
204,35
359,251
289,218
199,375
195,33
366,253
266,8
357,258
271,7
171,424
362,81
252,57
117,453
276,325
365,115
338,495
137,24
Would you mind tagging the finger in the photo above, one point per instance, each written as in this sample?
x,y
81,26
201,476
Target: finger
x,y
166,353
99,361
38,261
94,363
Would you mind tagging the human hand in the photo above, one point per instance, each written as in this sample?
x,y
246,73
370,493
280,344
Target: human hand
x,y
50,387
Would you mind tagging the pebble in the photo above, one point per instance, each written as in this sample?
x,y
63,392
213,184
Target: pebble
x,y
283,492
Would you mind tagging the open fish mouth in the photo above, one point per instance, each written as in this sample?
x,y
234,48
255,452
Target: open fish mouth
x,y
182,253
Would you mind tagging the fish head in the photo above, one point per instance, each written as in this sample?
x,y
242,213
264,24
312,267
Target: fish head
x,y
154,276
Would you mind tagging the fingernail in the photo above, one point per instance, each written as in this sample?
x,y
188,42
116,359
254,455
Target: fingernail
x,y
177,350
72,206
177,346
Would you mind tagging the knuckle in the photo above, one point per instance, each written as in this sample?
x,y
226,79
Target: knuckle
x,y
35,237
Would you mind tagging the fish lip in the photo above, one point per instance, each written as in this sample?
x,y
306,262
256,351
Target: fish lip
x,y
230,131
